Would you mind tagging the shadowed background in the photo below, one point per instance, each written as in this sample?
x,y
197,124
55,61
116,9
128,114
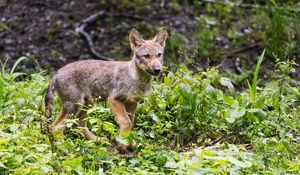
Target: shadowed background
x,y
230,35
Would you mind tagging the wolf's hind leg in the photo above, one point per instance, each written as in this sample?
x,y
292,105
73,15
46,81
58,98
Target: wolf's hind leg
x,y
58,122
68,109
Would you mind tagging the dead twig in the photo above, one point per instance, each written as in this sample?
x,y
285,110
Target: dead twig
x,y
235,52
222,139
80,29
133,17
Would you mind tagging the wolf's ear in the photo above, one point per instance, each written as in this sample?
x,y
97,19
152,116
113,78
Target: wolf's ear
x,y
161,37
135,39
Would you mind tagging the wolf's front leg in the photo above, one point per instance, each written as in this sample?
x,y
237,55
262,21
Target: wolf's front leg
x,y
124,122
130,109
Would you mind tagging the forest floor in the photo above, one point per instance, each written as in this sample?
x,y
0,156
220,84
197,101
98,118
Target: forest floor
x,y
46,32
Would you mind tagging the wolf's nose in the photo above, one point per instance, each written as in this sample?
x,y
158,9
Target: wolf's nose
x,y
156,71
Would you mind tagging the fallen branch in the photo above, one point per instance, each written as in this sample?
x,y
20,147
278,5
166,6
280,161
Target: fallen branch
x,y
133,17
222,139
235,52
80,29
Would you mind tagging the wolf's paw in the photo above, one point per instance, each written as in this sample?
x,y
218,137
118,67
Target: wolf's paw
x,y
132,144
122,148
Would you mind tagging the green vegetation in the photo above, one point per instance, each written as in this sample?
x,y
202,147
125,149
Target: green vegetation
x,y
228,29
197,118
190,123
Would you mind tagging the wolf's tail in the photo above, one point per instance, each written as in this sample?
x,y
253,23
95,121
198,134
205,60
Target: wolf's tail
x,y
49,99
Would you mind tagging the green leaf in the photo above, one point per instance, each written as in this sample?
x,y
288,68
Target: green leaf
x,y
244,164
184,90
123,140
171,165
167,81
16,64
107,126
4,26
254,110
227,83
93,120
254,81
235,114
228,100
2,165
69,124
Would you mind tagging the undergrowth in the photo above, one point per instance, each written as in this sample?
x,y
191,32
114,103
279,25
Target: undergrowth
x,y
190,123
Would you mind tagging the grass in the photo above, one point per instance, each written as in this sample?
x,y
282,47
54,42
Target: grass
x,y
254,81
188,124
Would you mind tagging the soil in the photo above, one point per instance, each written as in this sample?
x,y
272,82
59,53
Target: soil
x,y
46,30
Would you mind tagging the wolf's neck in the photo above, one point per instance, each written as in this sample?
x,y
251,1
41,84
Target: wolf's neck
x,y
139,74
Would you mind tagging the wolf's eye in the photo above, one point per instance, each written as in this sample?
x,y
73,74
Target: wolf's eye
x,y
159,55
147,56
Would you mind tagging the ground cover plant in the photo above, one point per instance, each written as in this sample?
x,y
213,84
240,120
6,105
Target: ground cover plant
x,y
190,123
227,102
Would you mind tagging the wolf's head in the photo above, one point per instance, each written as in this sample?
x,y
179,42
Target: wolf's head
x,y
148,54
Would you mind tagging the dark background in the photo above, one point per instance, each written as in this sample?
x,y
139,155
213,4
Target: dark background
x,y
203,33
